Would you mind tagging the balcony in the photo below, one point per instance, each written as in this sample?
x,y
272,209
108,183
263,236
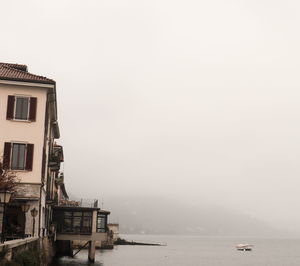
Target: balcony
x,y
52,200
56,158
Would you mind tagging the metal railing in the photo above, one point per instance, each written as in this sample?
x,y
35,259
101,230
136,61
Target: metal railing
x,y
87,203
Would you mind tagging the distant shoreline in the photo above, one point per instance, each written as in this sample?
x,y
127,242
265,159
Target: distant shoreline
x,y
121,241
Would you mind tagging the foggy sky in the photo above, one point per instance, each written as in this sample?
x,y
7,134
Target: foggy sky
x,y
196,100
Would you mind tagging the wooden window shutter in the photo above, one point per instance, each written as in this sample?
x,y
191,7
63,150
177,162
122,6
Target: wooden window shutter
x,y
29,157
6,155
10,107
32,109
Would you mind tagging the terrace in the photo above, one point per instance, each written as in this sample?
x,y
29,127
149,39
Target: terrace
x,y
75,222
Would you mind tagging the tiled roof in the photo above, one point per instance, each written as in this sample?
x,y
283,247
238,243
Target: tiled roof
x,y
18,72
16,66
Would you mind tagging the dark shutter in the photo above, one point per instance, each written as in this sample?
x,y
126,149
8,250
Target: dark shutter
x,y
44,164
10,107
29,157
6,155
32,109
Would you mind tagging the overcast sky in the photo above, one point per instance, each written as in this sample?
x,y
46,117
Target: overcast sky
x,y
197,100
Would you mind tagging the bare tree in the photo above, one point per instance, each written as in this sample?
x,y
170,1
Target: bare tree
x,y
8,179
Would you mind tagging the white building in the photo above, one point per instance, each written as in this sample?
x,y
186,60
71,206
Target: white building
x,y
28,119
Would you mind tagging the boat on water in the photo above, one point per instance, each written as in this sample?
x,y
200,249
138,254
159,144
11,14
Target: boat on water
x,y
244,247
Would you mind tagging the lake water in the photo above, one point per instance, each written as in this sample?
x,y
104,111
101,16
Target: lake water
x,y
195,251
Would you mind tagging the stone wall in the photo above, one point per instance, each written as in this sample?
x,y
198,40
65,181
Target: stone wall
x,y
29,251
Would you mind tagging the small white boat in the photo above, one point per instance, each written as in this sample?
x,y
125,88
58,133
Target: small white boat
x,y
244,247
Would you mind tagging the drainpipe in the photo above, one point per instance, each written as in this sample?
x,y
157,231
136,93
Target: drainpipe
x,y
40,213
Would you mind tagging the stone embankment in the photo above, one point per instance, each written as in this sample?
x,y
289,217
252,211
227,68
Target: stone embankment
x,y
29,251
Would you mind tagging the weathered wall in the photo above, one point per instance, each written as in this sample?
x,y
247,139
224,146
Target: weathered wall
x,y
92,237
29,220
31,191
115,231
39,251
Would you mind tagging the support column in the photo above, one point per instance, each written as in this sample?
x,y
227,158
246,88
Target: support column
x,y
92,250
1,217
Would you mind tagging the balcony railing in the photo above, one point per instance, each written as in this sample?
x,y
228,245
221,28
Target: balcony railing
x,y
87,203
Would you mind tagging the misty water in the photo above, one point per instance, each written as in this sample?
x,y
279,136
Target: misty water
x,y
192,251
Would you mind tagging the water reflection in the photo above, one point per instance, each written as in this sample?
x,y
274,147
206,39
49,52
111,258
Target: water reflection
x,y
192,250
77,260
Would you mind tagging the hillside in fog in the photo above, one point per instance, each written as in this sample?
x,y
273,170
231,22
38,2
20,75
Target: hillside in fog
x,y
161,216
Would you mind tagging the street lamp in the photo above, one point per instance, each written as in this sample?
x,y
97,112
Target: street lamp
x,y
4,199
25,208
34,213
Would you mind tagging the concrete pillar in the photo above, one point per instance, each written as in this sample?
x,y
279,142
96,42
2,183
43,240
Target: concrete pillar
x,y
92,250
94,222
1,217
92,243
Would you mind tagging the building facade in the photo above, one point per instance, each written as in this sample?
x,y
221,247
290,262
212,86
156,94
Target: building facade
x,y
29,128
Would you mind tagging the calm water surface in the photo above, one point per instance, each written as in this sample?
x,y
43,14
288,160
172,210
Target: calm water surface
x,y
192,251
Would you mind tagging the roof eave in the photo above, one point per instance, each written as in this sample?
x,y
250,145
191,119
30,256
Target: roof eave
x,y
26,83
52,82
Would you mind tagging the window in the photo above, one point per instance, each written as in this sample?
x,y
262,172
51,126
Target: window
x,y
21,108
18,156
75,222
101,223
